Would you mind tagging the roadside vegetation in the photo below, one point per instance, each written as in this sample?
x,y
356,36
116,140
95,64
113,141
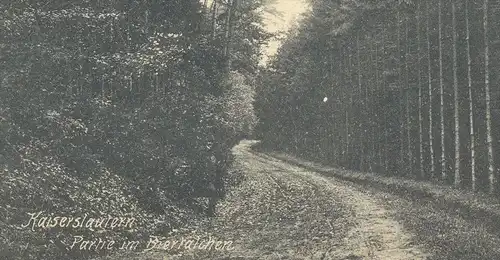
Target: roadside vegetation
x,y
118,108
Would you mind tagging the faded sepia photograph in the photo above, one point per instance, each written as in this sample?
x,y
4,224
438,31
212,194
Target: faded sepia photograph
x,y
249,129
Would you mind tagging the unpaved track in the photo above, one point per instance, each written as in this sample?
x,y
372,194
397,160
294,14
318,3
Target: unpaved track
x,y
281,211
374,236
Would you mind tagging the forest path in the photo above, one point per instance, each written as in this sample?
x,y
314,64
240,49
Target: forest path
x,y
281,211
370,232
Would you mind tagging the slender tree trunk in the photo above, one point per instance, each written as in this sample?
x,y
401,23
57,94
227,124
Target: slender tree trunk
x,y
164,86
347,135
228,27
370,91
429,77
455,90
146,24
229,32
103,92
363,101
214,19
407,94
385,118
401,126
348,108
81,79
343,100
419,83
333,118
379,116
367,113
441,93
489,138
131,88
471,101
157,82
369,131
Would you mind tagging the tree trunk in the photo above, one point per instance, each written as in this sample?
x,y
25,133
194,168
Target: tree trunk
x,y
401,126
407,94
471,101
131,88
214,18
348,108
385,118
429,77
343,100
369,91
455,91
420,117
489,138
229,32
363,101
379,131
441,93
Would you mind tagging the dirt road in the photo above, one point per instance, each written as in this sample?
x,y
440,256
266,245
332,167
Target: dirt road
x,y
359,225
281,211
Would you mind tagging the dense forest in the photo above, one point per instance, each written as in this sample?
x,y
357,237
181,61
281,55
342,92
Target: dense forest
x,y
118,107
406,88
